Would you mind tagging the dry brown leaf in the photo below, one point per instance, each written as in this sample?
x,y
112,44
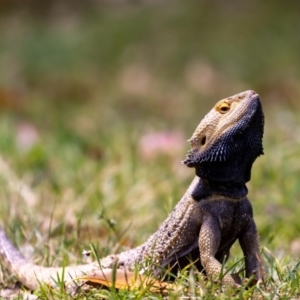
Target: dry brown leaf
x,y
121,279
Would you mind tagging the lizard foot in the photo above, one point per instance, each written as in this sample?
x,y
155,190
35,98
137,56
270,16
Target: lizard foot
x,y
236,278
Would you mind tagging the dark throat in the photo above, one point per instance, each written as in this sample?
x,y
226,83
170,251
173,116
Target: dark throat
x,y
207,188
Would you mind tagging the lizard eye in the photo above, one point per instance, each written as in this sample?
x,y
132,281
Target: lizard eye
x,y
223,108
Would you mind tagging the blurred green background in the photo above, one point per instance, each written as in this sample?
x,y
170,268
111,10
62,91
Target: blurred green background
x,y
98,98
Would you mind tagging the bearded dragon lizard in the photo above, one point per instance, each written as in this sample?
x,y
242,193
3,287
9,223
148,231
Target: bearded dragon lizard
x,y
213,213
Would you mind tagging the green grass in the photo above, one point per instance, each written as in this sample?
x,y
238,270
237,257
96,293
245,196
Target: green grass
x,y
93,81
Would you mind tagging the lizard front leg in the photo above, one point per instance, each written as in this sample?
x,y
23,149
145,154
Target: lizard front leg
x,y
249,242
209,242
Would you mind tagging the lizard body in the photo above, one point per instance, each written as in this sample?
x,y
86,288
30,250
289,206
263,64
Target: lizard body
x,y
213,213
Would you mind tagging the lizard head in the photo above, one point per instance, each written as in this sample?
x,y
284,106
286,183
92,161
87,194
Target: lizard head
x,y
228,140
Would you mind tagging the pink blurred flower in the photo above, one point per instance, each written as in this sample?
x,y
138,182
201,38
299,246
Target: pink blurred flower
x,y
26,136
169,143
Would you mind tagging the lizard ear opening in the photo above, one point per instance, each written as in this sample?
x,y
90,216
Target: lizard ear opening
x,y
203,140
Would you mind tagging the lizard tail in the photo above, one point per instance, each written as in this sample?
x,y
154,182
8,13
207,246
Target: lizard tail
x,y
31,275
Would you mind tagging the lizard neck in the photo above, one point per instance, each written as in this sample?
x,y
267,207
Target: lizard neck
x,y
205,188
